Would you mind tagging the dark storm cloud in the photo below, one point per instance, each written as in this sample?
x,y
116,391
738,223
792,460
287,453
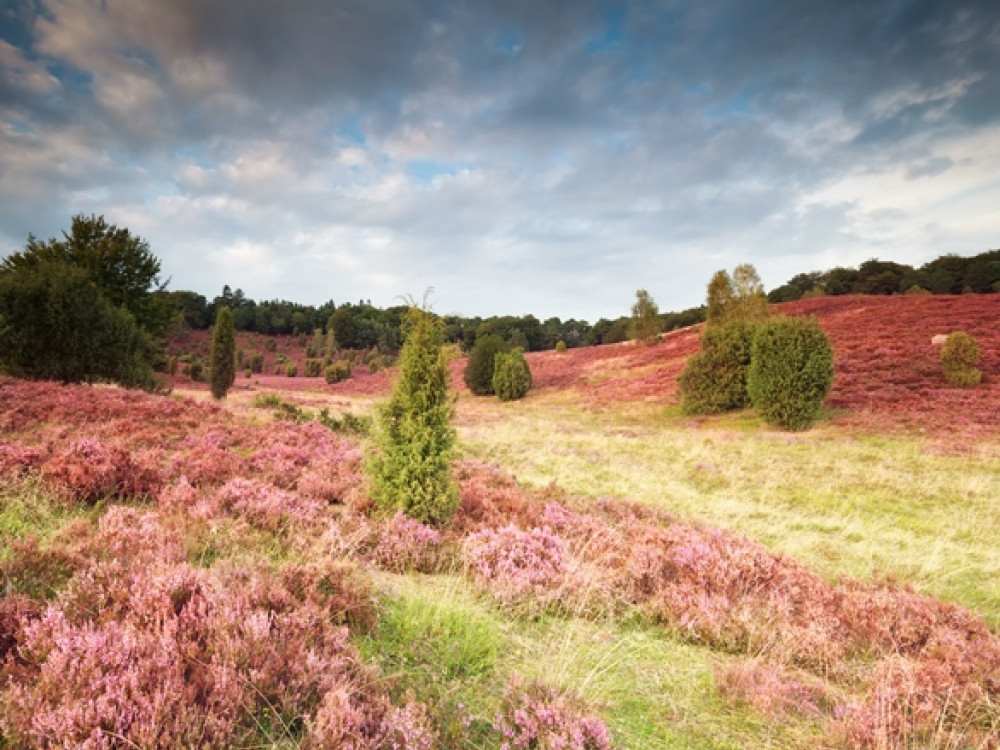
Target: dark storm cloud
x,y
600,143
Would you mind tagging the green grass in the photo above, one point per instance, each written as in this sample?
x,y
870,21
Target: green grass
x,y
27,511
846,505
439,640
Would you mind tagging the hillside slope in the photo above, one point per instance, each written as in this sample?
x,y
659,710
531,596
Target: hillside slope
x,y
887,372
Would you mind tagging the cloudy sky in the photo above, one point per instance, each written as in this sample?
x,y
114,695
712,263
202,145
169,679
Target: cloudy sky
x,y
520,156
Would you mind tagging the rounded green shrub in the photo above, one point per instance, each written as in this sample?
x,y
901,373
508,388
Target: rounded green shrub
x,y
247,372
478,373
791,371
291,370
560,346
511,375
314,368
337,371
959,356
715,379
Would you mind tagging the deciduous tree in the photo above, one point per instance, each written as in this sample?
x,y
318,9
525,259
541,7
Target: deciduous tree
x,y
644,325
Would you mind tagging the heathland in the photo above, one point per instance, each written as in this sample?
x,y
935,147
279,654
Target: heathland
x,y
180,572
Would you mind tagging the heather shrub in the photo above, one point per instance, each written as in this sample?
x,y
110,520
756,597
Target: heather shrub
x,y
264,505
413,439
36,571
770,688
89,470
337,372
714,380
279,368
516,565
479,369
247,372
791,371
959,356
406,544
153,654
537,716
511,376
314,368
291,370
271,345
256,362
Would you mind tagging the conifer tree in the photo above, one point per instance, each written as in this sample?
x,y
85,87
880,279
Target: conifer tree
x,y
223,368
414,440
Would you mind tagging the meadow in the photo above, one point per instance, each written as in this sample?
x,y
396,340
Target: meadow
x,y
183,573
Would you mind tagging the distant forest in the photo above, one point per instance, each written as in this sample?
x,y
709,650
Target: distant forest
x,y
361,325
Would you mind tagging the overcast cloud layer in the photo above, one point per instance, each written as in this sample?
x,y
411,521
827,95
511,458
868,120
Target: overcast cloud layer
x,y
519,156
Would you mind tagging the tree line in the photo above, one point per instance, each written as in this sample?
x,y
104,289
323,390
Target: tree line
x,y
946,274
91,306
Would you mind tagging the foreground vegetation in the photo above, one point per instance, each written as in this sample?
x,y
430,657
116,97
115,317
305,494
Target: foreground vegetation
x,y
588,606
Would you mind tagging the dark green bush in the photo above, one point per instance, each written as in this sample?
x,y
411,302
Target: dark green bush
x,y
291,370
223,353
314,368
511,375
560,346
959,356
337,371
791,371
478,373
197,370
715,379
257,362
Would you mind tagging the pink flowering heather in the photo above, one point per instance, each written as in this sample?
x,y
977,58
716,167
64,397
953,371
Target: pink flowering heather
x,y
919,704
141,650
406,544
17,459
264,505
770,688
178,496
89,470
536,716
517,566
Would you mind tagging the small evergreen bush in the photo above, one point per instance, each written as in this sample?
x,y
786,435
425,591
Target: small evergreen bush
x,y
291,370
511,376
314,368
958,360
413,439
337,371
257,362
197,370
560,346
791,371
715,379
247,372
479,369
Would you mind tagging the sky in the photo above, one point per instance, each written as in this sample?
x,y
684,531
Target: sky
x,y
519,156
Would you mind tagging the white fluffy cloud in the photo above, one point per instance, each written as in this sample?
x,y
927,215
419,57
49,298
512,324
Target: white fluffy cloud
x,y
547,158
